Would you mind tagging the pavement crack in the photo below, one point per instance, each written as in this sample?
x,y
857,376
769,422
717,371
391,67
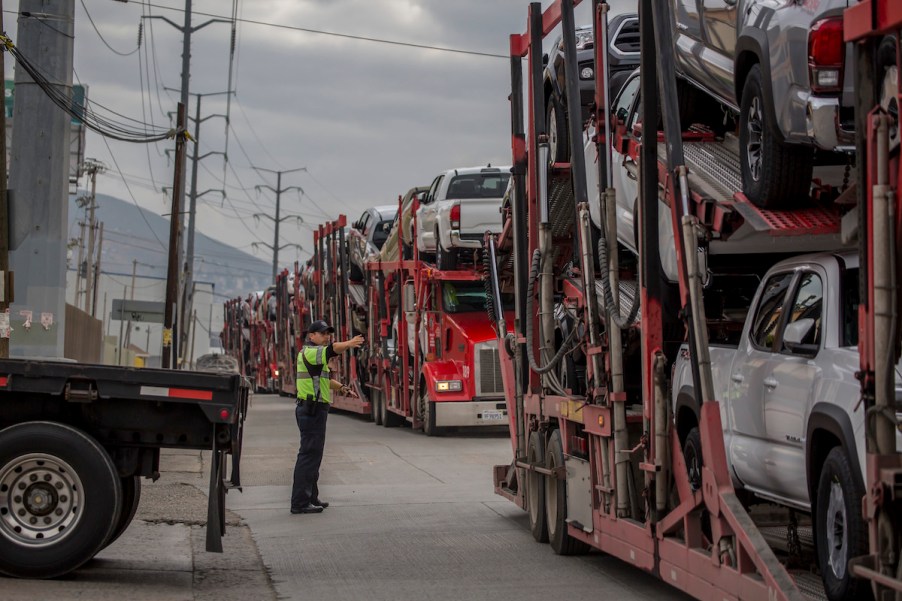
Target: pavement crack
x,y
416,467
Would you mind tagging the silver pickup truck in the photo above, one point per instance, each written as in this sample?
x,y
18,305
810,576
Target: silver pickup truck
x,y
461,205
792,425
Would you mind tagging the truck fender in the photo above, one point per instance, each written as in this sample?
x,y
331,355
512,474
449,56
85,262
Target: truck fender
x,y
444,370
750,48
829,418
685,412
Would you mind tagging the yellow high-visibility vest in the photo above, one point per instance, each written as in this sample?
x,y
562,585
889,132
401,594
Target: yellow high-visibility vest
x,y
307,384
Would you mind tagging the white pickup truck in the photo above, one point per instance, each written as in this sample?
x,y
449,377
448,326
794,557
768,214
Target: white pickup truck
x,y
792,425
461,205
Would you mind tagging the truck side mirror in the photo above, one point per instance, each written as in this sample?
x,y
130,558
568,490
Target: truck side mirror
x,y
795,333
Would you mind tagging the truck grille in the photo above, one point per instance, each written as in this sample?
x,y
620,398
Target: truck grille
x,y
489,373
626,38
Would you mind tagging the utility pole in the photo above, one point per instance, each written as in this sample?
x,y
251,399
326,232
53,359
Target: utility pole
x,y
92,167
96,274
278,219
188,291
172,270
38,176
81,259
5,281
187,30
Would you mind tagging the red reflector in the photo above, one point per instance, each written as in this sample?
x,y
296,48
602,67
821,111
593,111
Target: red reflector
x,y
187,393
4,381
825,43
224,414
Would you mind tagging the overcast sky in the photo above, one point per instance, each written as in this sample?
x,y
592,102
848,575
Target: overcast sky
x,y
367,120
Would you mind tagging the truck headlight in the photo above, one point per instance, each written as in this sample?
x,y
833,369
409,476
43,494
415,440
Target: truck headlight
x,y
448,386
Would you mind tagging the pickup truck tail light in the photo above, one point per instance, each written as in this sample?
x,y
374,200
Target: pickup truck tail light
x,y
455,216
825,55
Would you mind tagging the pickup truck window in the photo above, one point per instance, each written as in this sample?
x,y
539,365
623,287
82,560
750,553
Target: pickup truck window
x,y
769,311
478,185
807,310
850,307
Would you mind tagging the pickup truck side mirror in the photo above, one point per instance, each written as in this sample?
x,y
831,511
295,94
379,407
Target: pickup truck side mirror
x,y
795,333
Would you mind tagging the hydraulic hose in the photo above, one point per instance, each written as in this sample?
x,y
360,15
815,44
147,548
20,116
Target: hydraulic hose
x,y
611,308
530,354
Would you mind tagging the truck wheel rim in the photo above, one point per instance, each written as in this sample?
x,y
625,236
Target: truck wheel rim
x,y
755,130
551,132
836,527
41,500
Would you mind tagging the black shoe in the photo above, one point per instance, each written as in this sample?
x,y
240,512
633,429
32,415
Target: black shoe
x,y
322,504
308,508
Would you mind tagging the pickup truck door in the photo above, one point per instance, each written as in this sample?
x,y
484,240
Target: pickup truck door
x,y
789,380
719,25
426,216
746,393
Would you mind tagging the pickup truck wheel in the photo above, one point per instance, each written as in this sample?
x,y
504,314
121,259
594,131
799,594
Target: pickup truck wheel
x,y
556,503
60,499
774,174
131,497
692,455
446,260
840,530
556,128
535,488
355,273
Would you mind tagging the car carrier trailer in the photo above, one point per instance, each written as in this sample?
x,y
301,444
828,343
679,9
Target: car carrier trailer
x,y
596,460
76,440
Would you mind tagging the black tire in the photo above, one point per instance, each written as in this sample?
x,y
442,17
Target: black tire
x,y
375,413
556,127
131,497
59,469
390,419
406,251
535,488
692,455
556,503
427,412
445,260
355,273
774,174
840,531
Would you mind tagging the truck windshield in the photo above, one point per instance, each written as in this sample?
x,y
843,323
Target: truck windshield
x,y
478,185
464,297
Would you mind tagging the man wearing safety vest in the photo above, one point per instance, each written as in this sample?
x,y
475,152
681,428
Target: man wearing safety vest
x,y
314,398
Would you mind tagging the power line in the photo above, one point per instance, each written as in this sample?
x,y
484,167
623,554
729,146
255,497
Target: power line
x,y
342,35
100,35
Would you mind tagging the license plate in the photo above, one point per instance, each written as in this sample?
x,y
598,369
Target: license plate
x,y
493,415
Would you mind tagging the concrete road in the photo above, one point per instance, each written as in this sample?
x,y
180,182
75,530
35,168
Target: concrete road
x,y
411,517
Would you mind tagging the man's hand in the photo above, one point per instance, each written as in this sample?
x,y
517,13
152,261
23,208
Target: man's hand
x,y
356,341
348,391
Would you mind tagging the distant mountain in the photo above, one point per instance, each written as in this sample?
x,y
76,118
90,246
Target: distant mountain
x,y
131,233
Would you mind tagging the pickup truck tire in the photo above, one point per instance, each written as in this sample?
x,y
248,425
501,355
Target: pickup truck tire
x,y
774,174
70,500
556,502
557,130
840,531
535,488
445,260
692,455
131,497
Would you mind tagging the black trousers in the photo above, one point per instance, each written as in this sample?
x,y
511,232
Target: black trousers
x,y
310,455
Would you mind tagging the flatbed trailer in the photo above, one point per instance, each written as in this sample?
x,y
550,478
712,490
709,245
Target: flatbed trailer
x,y
596,460
76,440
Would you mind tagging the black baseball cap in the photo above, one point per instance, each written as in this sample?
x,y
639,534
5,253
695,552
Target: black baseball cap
x,y
320,326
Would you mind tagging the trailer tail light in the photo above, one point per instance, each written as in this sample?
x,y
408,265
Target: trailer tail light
x,y
579,445
825,55
224,414
448,386
455,216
